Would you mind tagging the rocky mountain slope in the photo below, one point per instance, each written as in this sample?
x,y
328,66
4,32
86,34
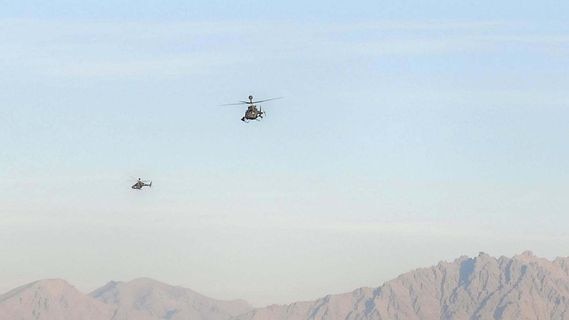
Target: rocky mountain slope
x,y
522,287
483,287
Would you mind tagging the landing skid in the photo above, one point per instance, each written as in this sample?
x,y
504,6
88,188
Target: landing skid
x,y
249,120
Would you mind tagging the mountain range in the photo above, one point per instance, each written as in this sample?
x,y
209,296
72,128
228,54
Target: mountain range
x,y
482,287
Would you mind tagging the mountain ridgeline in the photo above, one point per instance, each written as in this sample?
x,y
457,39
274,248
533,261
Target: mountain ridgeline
x,y
522,287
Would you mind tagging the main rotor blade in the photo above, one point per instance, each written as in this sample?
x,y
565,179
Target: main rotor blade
x,y
267,100
235,104
241,102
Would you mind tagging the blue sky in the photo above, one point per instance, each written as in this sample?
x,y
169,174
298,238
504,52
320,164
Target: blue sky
x,y
410,132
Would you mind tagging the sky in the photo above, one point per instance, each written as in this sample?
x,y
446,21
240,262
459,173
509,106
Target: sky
x,y
410,132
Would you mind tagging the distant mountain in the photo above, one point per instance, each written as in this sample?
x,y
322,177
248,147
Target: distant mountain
x,y
140,299
522,288
143,299
51,300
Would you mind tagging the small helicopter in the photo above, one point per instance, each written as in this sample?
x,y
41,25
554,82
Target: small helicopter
x,y
141,183
252,112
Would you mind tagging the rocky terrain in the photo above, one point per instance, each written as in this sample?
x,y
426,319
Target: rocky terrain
x,y
483,287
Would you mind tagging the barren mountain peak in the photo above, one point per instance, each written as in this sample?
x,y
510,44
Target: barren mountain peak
x,y
51,286
51,299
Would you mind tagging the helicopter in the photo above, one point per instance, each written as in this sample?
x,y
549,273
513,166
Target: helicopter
x,y
252,112
141,183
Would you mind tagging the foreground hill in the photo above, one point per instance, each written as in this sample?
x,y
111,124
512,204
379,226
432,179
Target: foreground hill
x,y
523,287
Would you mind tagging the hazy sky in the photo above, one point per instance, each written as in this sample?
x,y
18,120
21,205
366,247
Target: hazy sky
x,y
411,132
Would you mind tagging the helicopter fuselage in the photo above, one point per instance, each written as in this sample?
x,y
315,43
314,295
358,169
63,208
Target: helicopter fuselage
x,y
252,113
138,185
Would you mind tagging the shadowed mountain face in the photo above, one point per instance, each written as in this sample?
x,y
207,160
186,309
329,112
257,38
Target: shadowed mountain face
x,y
522,287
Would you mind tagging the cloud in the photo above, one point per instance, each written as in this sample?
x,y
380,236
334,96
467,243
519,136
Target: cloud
x,y
416,26
78,49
